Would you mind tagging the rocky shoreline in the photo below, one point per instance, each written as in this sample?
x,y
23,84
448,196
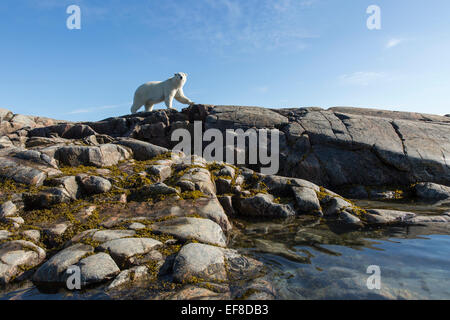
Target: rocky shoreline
x,y
111,198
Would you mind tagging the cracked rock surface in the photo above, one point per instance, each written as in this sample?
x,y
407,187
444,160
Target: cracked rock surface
x,y
111,198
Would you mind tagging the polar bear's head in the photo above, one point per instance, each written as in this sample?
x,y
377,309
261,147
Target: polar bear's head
x,y
179,79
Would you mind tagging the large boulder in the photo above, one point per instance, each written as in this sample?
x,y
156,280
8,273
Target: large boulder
x,y
10,122
202,230
15,170
307,200
382,216
116,127
129,275
158,188
200,178
432,191
7,209
263,205
200,261
98,156
279,184
142,150
36,157
160,172
349,218
54,270
356,146
230,117
335,205
197,261
4,234
42,142
94,184
70,184
54,231
430,219
5,115
23,121
18,256
97,268
123,249
46,198
63,130
213,210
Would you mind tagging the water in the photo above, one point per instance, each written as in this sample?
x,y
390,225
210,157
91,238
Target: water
x,y
307,259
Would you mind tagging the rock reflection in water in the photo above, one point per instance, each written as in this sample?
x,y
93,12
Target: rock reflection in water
x,y
309,259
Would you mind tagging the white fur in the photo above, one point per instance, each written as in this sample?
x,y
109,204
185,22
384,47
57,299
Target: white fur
x,y
154,92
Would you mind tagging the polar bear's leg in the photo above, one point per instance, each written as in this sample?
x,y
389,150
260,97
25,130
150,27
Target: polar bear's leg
x,y
182,98
169,100
135,107
149,107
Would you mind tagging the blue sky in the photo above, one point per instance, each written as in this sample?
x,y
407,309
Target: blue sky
x,y
279,53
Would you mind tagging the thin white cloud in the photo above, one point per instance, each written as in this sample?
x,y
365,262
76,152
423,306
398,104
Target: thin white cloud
x,y
262,89
95,109
77,111
361,78
89,9
220,25
286,5
393,42
51,4
246,26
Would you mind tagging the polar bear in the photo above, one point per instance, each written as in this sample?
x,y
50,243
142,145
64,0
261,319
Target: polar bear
x,y
154,92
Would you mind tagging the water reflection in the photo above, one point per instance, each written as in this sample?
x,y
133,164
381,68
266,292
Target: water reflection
x,y
309,259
